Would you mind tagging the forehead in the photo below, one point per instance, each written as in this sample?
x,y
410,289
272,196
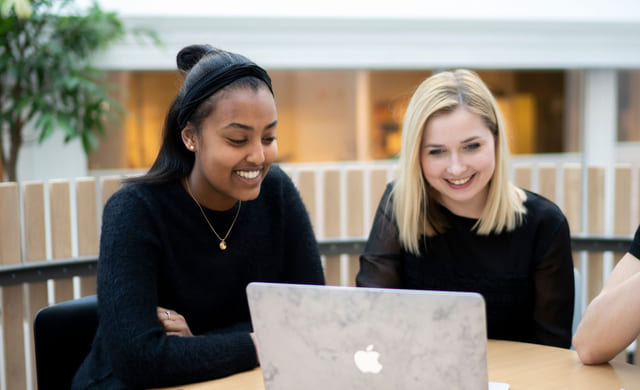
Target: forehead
x,y
244,101
455,126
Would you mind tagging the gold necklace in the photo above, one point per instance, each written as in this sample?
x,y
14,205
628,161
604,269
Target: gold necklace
x,y
223,241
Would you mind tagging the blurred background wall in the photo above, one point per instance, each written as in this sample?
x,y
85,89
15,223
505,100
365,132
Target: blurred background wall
x,y
566,74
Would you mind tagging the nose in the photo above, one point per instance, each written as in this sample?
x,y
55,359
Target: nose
x,y
456,165
256,153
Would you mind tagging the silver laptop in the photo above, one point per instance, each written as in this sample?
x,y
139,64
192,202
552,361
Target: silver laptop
x,y
328,337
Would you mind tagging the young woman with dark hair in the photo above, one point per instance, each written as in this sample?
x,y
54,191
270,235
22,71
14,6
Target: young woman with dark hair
x,y
180,244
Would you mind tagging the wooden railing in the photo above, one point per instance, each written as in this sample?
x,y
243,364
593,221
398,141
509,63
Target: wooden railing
x,y
49,234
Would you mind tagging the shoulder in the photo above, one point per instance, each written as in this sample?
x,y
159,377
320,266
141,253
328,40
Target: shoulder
x,y
130,192
385,205
276,176
389,190
543,214
134,197
540,207
388,194
142,209
544,230
277,184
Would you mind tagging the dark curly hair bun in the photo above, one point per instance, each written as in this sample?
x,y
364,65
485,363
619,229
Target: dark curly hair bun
x,y
190,55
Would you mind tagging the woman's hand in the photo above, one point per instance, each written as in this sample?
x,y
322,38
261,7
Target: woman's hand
x,y
173,323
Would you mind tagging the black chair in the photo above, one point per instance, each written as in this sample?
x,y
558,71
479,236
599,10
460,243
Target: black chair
x,y
63,334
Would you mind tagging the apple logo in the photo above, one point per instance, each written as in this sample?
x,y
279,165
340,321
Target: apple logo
x,y
367,361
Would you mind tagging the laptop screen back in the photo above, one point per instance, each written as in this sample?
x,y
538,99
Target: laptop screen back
x,y
329,337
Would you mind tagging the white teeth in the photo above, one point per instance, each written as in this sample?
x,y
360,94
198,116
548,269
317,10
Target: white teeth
x,y
248,174
460,182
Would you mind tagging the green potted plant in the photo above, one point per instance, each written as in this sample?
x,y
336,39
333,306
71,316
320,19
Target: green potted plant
x,y
47,80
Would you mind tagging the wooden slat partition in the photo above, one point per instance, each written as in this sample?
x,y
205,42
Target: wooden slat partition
x,y
307,186
547,183
34,221
622,217
595,225
572,201
13,313
306,183
13,297
623,202
35,249
572,207
9,224
622,205
332,211
355,214
109,185
60,210
522,176
87,222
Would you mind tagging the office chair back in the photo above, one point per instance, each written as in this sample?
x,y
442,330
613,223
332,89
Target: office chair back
x,y
63,334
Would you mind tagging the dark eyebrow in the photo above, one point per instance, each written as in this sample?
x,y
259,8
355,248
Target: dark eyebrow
x,y
241,126
271,125
236,125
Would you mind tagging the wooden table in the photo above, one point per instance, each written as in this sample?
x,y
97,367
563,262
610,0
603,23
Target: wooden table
x,y
522,365
539,367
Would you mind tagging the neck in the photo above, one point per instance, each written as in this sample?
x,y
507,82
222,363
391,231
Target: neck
x,y
200,194
471,209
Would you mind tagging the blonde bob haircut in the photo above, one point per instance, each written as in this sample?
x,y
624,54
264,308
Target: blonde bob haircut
x,y
439,94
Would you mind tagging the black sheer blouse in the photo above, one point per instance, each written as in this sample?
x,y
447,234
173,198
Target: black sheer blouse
x,y
525,276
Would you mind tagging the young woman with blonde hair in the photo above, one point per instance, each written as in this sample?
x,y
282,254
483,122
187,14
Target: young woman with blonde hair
x,y
454,221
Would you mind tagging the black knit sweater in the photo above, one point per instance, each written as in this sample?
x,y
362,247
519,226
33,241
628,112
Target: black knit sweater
x,y
525,276
156,249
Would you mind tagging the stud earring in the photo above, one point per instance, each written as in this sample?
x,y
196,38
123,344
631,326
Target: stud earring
x,y
191,147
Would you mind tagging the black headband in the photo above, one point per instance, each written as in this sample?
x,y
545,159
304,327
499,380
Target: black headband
x,y
213,82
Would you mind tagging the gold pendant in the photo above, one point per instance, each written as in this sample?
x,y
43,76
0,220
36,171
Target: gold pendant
x,y
223,245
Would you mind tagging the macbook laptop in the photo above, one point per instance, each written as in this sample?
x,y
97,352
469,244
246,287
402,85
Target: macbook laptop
x,y
329,337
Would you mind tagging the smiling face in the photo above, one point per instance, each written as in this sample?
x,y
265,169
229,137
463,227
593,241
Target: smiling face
x,y
457,157
234,147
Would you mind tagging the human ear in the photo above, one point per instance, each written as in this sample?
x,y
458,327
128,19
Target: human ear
x,y
189,138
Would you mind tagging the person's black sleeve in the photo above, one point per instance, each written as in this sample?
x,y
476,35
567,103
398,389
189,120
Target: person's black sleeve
x,y
380,263
554,287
